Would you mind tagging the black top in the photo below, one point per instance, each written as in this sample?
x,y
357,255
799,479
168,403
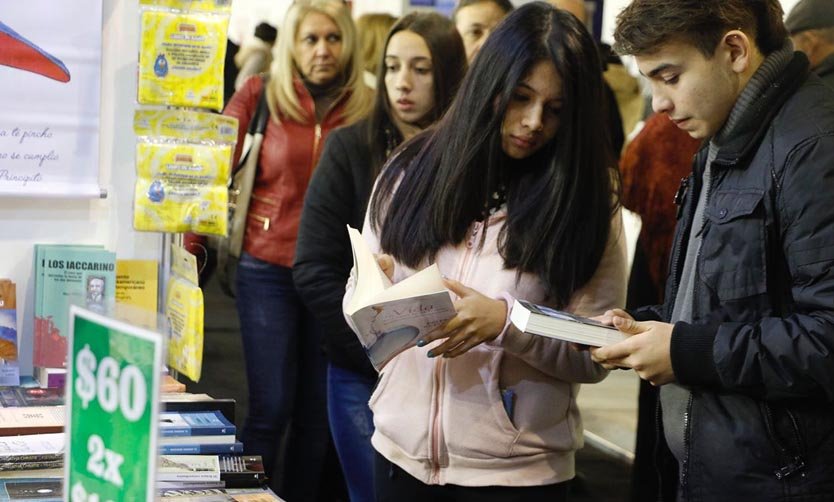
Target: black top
x,y
337,196
759,424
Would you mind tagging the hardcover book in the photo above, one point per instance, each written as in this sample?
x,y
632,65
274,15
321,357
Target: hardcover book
x,y
545,321
389,318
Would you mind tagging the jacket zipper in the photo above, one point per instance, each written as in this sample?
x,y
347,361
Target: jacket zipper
x,y
316,141
437,421
795,462
687,433
261,219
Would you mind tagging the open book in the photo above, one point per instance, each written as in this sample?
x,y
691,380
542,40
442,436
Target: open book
x,y
390,318
545,321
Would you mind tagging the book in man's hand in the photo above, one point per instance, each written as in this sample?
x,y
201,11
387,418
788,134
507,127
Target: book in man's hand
x,y
389,318
545,321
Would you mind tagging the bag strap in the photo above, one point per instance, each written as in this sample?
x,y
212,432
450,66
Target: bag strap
x,y
246,171
258,122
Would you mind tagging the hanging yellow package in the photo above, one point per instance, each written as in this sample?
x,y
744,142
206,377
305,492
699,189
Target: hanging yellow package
x,y
183,162
184,309
181,58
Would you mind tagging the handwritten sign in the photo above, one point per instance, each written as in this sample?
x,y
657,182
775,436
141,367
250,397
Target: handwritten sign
x,y
49,137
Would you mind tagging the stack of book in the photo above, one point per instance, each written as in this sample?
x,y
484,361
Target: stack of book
x,y
201,456
38,456
197,433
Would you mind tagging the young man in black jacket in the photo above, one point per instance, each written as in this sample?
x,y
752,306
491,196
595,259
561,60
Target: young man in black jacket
x,y
743,343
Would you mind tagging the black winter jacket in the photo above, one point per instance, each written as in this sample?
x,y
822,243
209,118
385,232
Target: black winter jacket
x,y
759,355
337,196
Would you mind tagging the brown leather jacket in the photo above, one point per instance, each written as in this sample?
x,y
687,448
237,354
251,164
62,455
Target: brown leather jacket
x,y
289,154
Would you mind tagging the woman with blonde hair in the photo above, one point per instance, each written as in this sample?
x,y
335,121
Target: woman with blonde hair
x,y
314,85
373,31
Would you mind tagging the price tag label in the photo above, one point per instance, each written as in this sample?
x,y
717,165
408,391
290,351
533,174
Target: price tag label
x,y
112,396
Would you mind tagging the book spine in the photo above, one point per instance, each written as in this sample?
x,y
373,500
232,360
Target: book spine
x,y
31,457
198,431
200,449
187,476
31,466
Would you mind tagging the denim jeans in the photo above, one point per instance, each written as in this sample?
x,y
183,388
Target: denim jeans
x,y
286,373
352,425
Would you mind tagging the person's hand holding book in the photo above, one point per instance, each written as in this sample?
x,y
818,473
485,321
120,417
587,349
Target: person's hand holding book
x,y
479,319
646,351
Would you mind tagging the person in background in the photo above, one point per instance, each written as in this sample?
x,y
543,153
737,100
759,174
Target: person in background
x,y
615,122
512,195
315,85
423,62
811,26
373,31
475,20
742,344
652,165
255,56
575,7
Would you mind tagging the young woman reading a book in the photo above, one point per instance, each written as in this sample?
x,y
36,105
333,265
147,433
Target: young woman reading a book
x,y
512,195
422,64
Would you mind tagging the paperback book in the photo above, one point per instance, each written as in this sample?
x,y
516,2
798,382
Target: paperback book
x,y
67,275
389,318
30,396
31,420
9,366
201,449
552,323
207,423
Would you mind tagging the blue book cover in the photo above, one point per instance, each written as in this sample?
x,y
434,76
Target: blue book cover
x,y
200,449
202,423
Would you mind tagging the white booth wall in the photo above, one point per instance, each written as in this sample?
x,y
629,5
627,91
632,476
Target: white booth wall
x,y
107,221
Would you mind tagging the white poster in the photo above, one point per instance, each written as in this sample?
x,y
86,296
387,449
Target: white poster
x,y
50,84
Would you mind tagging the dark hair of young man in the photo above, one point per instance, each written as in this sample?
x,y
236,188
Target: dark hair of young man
x,y
645,25
448,60
504,5
559,199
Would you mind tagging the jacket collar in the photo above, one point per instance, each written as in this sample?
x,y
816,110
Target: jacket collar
x,y
826,66
745,142
309,105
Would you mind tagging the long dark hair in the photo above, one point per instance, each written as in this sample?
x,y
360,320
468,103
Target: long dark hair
x,y
448,67
560,200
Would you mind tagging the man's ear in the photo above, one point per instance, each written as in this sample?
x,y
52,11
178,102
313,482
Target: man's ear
x,y
739,49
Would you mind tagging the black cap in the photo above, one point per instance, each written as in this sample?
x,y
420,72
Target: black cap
x,y
268,33
810,15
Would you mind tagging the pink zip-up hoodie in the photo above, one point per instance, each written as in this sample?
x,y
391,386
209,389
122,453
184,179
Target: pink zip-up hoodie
x,y
444,421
